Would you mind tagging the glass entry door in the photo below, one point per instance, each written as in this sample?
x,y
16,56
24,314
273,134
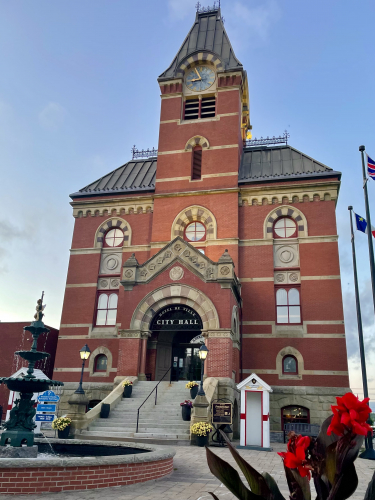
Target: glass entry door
x,y
186,363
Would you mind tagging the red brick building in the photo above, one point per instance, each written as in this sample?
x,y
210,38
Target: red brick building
x,y
14,338
211,238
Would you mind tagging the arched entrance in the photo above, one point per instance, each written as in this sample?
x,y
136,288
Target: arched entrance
x,y
177,330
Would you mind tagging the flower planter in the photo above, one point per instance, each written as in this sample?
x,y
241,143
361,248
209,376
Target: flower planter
x,y
127,391
202,441
186,413
193,392
64,434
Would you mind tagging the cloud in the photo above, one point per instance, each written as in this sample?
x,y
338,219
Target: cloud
x,y
8,234
52,116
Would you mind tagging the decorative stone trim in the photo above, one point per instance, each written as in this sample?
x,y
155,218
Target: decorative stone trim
x,y
287,211
113,223
191,61
174,294
192,214
94,354
220,334
279,363
197,140
116,208
130,334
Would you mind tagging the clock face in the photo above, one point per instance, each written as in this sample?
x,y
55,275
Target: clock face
x,y
200,78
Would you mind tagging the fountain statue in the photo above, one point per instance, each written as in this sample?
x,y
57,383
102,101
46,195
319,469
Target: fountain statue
x,y
19,429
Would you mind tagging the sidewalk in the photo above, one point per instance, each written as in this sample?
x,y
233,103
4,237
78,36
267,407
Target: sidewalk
x,y
192,479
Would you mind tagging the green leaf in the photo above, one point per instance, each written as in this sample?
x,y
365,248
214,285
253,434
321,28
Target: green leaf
x,y
229,477
323,439
370,492
347,483
256,481
322,487
330,463
295,490
303,483
272,485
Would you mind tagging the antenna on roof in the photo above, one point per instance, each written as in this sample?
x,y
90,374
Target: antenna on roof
x,y
215,6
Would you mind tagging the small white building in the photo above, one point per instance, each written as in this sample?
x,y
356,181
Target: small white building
x,y
255,413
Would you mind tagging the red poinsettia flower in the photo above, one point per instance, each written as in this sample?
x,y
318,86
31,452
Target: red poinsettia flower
x,y
295,457
350,414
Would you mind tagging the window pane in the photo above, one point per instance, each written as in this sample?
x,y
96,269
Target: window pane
x,y
294,314
114,237
281,297
118,241
101,363
293,297
102,302
289,231
290,223
195,231
290,365
111,317
280,224
282,314
112,301
202,250
100,319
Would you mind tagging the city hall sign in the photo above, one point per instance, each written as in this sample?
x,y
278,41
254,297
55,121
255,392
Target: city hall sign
x,y
177,317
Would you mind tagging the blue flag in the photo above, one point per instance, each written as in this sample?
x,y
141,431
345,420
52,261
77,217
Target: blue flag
x,y
362,224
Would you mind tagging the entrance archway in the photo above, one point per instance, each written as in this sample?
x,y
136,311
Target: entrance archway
x,y
177,330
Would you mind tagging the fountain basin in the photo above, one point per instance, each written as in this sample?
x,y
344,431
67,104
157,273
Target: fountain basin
x,y
131,463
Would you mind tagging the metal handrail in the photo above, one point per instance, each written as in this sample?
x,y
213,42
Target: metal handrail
x,y
156,395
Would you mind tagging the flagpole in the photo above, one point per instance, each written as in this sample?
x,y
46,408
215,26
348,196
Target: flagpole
x,y
368,220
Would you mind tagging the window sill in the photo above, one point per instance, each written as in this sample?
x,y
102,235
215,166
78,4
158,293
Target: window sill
x,y
103,331
284,376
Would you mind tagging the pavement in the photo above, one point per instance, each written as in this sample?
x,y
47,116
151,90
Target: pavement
x,y
192,480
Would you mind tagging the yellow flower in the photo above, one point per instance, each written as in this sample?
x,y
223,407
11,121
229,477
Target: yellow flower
x,y
201,428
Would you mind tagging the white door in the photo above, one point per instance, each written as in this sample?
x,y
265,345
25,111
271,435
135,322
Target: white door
x,y
253,419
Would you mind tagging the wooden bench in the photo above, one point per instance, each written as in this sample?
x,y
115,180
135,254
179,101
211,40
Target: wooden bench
x,y
304,429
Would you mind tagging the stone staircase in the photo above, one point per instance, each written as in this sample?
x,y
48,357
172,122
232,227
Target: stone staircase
x,y
160,424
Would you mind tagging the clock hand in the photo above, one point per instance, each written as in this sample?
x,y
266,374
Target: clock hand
x,y
198,73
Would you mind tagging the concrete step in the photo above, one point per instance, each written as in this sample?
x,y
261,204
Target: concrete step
x,y
157,435
166,442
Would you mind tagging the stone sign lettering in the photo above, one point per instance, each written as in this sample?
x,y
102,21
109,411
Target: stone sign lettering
x,y
177,317
221,413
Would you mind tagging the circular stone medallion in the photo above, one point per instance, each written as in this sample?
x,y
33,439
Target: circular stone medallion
x,y
176,273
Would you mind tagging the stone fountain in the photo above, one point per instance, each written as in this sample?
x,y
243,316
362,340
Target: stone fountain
x,y
18,438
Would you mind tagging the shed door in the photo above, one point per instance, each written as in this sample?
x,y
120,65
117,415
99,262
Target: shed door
x,y
253,419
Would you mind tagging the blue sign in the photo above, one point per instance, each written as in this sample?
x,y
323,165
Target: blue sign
x,y
44,418
48,396
50,408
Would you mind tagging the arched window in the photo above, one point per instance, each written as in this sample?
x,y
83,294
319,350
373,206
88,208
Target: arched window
x,y
290,365
195,231
100,363
285,228
295,415
106,309
114,238
288,305
196,167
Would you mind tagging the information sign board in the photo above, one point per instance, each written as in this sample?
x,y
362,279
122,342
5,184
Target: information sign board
x,y
49,408
49,397
222,413
39,417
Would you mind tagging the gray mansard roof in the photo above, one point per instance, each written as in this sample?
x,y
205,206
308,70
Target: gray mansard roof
x,y
133,177
207,34
258,164
261,164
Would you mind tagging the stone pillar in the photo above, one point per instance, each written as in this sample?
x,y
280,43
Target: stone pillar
x,y
142,365
199,413
77,412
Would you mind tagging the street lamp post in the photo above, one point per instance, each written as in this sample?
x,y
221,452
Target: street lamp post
x,y
84,354
203,351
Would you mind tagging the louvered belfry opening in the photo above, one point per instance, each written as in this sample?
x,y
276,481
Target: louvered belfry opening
x,y
200,108
196,172
208,107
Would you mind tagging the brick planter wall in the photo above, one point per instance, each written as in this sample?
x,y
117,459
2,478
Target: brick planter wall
x,y
54,479
83,473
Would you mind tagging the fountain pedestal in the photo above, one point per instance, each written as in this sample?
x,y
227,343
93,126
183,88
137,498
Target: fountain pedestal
x,y
19,429
19,452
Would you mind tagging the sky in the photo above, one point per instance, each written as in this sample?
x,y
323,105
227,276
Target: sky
x,y
78,87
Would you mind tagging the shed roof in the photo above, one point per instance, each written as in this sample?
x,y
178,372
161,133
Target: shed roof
x,y
135,176
279,162
207,34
